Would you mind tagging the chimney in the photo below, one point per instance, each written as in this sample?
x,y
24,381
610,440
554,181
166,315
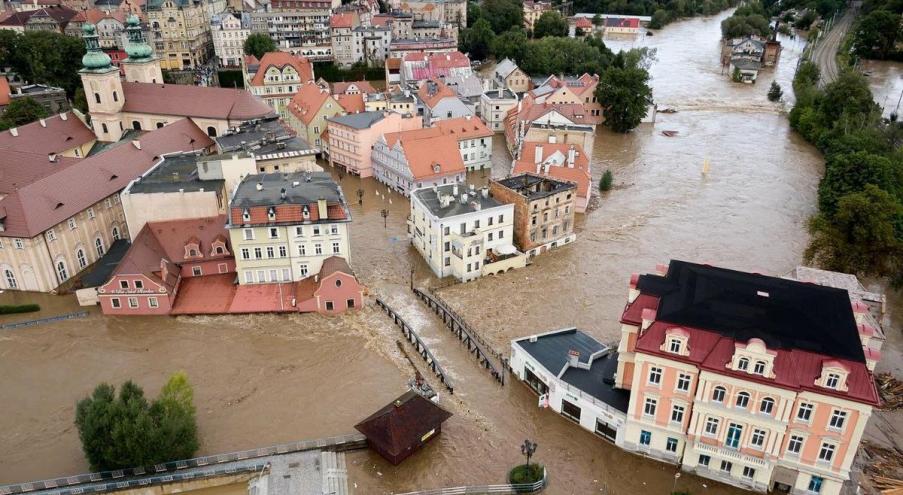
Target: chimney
x,y
321,209
260,186
14,131
64,116
136,144
43,122
537,154
282,194
51,157
572,154
464,198
573,357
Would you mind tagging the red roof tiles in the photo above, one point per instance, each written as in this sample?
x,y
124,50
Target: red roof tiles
x,y
351,103
345,20
193,101
308,101
280,60
51,135
363,87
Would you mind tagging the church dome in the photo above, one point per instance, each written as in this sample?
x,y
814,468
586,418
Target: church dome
x,y
136,48
94,58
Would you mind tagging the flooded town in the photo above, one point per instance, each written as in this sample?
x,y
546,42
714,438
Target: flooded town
x,y
709,199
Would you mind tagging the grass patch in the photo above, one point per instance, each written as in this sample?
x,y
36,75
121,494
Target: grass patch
x,y
524,475
11,309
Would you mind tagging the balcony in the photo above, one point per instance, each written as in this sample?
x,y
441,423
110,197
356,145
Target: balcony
x,y
728,453
502,259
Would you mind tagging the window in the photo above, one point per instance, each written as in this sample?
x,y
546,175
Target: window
x,y
152,302
133,302
249,277
329,306
671,445
759,368
758,438
742,400
335,248
283,251
726,466
349,304
804,413
98,245
649,407
704,460
766,406
743,364
258,253
274,233
718,394
827,452
748,472
19,244
683,382
299,231
72,224
318,248
10,279
815,484
832,380
674,346
196,271
711,426
123,284
795,445
569,410
271,253
838,418
139,284
302,250
97,100
61,270
316,230
734,432
102,126
246,215
334,229
115,233
245,254
677,414
645,438
302,269
248,234
655,375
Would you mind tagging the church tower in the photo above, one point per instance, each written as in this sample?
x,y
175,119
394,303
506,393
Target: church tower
x,y
103,88
141,65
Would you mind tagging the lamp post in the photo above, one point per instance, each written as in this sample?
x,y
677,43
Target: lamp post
x,y
528,449
360,197
385,214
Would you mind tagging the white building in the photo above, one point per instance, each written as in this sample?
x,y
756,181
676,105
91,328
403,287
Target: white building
x,y
494,105
462,232
230,30
371,44
474,140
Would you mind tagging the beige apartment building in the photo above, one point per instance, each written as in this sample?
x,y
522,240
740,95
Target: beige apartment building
x,y
180,32
308,111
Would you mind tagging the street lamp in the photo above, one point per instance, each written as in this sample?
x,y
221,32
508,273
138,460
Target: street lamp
x,y
528,449
385,214
360,197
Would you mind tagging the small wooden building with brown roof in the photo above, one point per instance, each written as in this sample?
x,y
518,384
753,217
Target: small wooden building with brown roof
x,y
401,428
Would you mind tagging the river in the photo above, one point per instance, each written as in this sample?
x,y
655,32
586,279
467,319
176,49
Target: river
x,y
261,380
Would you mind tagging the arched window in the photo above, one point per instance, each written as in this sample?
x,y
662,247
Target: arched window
x,y
80,256
759,368
96,97
10,279
104,128
136,125
98,245
766,406
211,131
115,233
718,394
61,270
742,400
115,96
743,364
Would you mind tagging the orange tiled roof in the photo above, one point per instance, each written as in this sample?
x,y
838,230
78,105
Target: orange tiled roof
x,y
351,103
280,60
308,101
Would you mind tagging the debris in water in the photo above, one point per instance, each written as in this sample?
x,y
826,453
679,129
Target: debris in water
x,y
891,391
669,133
884,467
667,110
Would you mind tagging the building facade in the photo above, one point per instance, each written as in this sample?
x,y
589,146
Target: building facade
x,y
409,160
494,105
563,162
352,137
229,31
309,110
297,27
283,226
180,32
278,77
544,210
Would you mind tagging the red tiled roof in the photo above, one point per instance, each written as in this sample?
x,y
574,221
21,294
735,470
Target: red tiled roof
x,y
280,60
54,136
464,128
173,235
308,101
580,174
345,20
424,154
432,98
430,65
263,298
364,86
583,23
4,91
207,295
145,257
193,101
46,202
351,103
334,264
393,63
20,168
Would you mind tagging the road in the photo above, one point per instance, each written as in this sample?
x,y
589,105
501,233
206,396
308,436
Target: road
x,y
825,51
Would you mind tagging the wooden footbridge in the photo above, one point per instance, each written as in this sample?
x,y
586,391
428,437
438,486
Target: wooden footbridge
x,y
491,360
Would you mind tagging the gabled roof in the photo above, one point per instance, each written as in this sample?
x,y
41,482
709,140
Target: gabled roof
x,y
505,68
193,101
40,205
50,135
281,60
308,101
351,103
555,155
145,257
173,235
363,86
432,91
344,20
464,128
402,423
424,154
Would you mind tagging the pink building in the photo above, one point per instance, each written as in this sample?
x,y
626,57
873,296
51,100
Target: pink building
x,y
333,290
148,278
351,137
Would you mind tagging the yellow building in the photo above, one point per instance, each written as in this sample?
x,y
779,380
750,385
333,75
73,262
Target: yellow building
x,y
308,111
181,32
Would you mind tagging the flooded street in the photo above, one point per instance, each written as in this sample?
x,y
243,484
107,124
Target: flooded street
x,y
886,82
261,380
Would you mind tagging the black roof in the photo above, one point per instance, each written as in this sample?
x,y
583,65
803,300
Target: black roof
x,y
535,187
598,381
176,172
103,269
785,314
551,350
301,188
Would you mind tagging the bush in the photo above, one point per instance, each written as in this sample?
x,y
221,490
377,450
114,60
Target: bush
x,y
605,181
231,79
524,475
357,72
11,309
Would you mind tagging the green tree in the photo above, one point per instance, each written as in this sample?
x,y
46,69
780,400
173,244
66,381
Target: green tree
x,y
126,431
554,55
474,13
861,238
22,111
550,23
745,21
877,34
624,90
848,101
258,44
805,21
510,44
847,173
775,92
49,58
606,181
659,18
477,40
597,20
503,14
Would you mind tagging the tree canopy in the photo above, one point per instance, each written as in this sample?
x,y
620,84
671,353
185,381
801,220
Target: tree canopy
x,y
125,430
258,44
550,23
552,55
510,44
43,57
624,90
877,33
22,111
503,14
477,40
746,20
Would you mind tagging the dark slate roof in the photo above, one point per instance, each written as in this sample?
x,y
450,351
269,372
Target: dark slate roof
x,y
551,350
785,314
402,423
262,137
430,198
300,188
176,172
103,269
362,120
533,187
598,381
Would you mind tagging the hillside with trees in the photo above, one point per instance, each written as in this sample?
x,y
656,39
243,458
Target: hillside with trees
x,y
878,30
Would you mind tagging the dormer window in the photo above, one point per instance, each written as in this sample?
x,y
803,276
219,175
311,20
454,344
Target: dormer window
x,y
832,381
674,345
246,215
743,364
759,368
271,213
833,376
676,341
305,213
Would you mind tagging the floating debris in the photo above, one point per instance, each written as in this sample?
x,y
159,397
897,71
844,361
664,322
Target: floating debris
x,y
669,133
891,391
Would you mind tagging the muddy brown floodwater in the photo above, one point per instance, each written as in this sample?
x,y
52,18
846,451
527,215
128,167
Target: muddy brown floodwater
x,y
267,379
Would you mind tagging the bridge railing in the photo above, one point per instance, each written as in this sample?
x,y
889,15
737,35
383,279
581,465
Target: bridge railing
x,y
481,489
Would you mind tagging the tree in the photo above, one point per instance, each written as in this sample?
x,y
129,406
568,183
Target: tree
x,y
550,23
477,40
597,20
503,14
877,33
746,20
510,44
659,18
606,181
775,92
258,44
554,55
848,101
861,237
624,90
47,57
805,21
124,431
21,111
80,101
474,13
847,173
